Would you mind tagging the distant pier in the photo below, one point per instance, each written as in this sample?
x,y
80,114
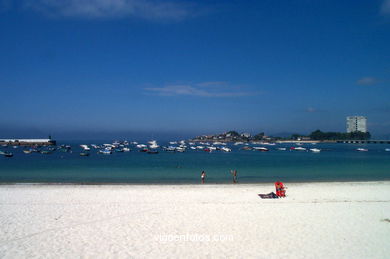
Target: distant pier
x,y
28,142
364,141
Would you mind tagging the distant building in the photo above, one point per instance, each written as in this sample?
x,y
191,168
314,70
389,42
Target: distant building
x,y
356,123
246,135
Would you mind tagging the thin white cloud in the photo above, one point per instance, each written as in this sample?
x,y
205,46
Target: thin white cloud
x,y
367,81
212,84
147,9
311,109
385,8
194,90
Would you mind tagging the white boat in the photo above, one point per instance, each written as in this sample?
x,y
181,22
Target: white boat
x,y
153,144
105,151
300,149
226,149
126,149
262,149
141,146
281,148
238,143
315,150
170,149
85,147
180,149
362,149
387,149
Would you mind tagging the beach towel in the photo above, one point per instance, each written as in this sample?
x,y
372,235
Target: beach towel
x,y
270,195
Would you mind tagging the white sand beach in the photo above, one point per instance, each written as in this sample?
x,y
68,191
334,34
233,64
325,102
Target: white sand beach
x,y
316,220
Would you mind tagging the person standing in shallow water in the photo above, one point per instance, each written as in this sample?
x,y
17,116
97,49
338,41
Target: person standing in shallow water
x,y
234,174
203,176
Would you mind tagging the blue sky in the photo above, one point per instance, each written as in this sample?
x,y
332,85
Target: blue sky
x,y
105,68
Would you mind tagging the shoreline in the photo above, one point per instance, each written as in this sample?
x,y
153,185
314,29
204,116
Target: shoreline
x,y
184,184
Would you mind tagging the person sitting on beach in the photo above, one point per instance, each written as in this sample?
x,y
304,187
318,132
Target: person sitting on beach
x,y
280,189
234,174
203,176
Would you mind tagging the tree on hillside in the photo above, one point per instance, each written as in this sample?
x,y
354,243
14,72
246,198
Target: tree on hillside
x,y
233,133
259,136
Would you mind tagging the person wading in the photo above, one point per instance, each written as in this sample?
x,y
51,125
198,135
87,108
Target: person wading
x,y
234,174
203,176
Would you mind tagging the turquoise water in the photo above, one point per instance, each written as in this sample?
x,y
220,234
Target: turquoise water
x,y
336,162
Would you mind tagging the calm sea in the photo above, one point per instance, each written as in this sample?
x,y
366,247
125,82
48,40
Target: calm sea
x,y
336,162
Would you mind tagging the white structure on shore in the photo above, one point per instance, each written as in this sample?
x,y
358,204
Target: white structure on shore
x,y
22,142
356,123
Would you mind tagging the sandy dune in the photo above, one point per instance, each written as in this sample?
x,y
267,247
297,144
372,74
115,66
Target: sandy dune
x,y
317,220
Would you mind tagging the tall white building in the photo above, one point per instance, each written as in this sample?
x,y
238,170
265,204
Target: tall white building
x,y
356,123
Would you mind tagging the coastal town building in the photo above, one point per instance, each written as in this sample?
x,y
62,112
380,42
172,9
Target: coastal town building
x,y
356,123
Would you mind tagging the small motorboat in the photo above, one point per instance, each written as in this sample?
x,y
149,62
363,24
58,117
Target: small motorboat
x,y
105,151
315,150
299,149
387,149
85,147
170,149
6,154
27,151
281,148
180,149
84,154
226,149
126,149
362,149
261,149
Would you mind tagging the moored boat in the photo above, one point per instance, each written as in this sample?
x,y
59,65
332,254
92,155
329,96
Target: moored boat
x,y
6,154
298,148
226,149
261,149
